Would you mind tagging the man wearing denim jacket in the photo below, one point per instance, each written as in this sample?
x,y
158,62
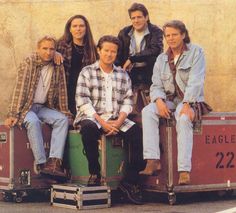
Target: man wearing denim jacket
x,y
178,81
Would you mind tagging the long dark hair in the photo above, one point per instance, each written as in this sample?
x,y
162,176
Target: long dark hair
x,y
90,53
179,25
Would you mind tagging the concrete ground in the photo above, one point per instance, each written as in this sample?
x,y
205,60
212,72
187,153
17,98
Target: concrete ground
x,y
186,203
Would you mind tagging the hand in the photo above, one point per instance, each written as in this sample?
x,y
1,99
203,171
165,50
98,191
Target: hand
x,y
70,120
10,122
187,110
115,123
109,128
128,66
162,108
58,59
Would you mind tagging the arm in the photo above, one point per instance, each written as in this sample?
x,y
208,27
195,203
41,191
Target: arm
x,y
126,104
62,97
120,56
196,77
157,88
58,58
157,92
20,93
83,94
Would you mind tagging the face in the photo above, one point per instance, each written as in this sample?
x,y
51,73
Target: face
x,y
107,53
46,50
78,29
139,21
174,38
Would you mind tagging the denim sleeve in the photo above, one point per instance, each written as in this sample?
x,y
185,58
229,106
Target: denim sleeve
x,y
157,88
196,79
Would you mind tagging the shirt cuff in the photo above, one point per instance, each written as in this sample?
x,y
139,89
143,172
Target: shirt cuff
x,y
127,109
88,110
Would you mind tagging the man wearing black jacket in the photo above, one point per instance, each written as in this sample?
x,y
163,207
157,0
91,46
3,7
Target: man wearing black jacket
x,y
141,43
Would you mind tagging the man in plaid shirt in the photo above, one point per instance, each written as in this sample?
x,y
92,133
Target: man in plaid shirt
x,y
40,96
104,100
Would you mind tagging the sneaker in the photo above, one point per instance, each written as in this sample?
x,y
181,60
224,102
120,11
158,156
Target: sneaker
x,y
94,180
133,192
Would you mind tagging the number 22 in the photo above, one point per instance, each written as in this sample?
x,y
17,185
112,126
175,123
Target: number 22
x,y
230,157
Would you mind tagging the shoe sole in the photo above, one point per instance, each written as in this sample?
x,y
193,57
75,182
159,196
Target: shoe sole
x,y
54,177
124,190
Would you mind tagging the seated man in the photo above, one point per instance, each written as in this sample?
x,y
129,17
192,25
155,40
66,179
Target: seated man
x,y
178,82
40,96
104,100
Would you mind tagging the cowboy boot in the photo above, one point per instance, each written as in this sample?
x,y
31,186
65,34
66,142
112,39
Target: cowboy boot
x,y
53,168
184,178
152,167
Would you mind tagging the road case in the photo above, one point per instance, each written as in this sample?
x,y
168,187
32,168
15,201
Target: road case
x,y
112,158
213,157
80,197
18,173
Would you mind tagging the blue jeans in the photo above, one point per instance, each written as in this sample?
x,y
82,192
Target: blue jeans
x,y
59,123
151,138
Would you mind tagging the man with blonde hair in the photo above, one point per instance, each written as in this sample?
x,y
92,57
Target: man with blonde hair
x,y
40,95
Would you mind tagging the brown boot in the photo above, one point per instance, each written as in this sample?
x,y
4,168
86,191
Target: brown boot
x,y
184,178
152,167
40,167
53,168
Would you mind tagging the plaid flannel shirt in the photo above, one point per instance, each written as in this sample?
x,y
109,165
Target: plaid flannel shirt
x,y
27,81
90,92
66,50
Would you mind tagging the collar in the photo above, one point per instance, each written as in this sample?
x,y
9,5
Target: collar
x,y
146,32
186,47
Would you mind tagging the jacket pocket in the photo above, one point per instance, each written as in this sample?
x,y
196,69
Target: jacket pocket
x,y
167,81
184,72
165,77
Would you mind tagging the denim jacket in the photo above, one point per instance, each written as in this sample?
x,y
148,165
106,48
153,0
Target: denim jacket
x,y
190,76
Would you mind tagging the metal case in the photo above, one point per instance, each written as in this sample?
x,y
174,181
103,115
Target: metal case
x,y
80,197
18,173
112,157
213,157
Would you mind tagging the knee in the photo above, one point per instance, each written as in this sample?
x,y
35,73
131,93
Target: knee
x,y
184,120
88,128
150,113
147,111
33,122
63,120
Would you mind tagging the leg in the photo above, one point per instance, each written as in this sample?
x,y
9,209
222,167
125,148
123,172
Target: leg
x,y
184,129
151,136
129,185
34,132
59,123
133,137
90,136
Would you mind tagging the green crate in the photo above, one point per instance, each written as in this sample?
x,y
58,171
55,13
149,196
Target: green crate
x,y
112,157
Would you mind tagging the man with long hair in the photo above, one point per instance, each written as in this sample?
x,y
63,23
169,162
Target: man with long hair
x,y
78,49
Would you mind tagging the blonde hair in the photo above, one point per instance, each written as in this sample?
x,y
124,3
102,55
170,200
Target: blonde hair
x,y
47,38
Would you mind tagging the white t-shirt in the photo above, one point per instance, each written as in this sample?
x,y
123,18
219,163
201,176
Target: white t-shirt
x,y
41,92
